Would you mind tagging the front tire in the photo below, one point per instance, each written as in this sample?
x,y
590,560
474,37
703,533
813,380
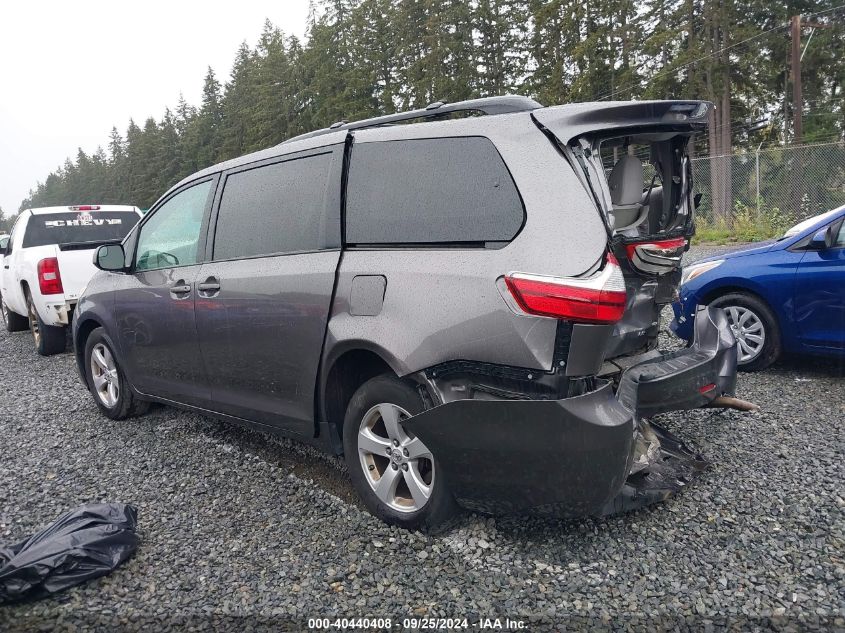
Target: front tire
x,y
106,380
14,322
755,328
392,470
49,339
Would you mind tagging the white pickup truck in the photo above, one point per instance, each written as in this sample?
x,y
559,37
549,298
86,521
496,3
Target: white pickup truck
x,y
47,263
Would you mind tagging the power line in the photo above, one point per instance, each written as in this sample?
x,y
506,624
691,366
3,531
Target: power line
x,y
718,52
695,61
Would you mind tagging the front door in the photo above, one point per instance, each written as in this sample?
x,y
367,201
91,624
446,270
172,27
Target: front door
x,y
264,299
820,295
154,304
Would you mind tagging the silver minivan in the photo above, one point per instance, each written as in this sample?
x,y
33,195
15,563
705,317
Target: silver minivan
x,y
463,301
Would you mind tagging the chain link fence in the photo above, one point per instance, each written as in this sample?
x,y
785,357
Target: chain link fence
x,y
779,186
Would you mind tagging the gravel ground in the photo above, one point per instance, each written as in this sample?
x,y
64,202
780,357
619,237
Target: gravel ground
x,y
244,531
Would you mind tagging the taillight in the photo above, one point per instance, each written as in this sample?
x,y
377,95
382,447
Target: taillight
x,y
49,279
596,299
660,256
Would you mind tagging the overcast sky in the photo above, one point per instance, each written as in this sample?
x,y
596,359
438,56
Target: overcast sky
x,y
69,71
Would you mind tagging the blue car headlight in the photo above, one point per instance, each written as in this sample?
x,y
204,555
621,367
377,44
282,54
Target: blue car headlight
x,y
696,270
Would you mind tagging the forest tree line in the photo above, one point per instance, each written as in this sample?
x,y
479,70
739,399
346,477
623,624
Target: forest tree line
x,y
361,58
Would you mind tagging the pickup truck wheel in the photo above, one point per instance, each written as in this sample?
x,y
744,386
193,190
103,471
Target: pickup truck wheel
x,y
106,381
49,339
755,328
14,321
394,473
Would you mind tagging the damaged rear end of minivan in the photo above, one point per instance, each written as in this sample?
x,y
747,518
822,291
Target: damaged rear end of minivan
x,y
634,160
493,338
578,441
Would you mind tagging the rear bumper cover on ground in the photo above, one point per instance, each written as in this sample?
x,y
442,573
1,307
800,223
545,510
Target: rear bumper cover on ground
x,y
564,457
587,455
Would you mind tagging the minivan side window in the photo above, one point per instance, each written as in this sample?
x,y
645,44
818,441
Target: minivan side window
x,y
429,191
274,209
171,235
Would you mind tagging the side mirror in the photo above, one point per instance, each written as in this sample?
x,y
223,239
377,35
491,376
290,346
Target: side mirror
x,y
822,239
110,257
4,242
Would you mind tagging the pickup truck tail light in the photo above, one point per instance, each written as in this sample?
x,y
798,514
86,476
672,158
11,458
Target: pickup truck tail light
x,y
49,278
596,299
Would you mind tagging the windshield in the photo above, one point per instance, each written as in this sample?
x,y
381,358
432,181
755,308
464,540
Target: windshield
x,y
78,227
806,224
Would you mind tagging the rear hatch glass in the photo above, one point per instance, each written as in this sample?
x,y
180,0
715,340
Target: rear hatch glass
x,y
78,228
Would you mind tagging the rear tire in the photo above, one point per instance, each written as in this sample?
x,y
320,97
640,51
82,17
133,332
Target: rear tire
x,y
758,334
49,339
14,322
106,381
412,491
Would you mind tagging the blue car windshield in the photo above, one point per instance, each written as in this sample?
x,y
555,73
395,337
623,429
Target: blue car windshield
x,y
806,224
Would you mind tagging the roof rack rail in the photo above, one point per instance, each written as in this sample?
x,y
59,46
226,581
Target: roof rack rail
x,y
489,106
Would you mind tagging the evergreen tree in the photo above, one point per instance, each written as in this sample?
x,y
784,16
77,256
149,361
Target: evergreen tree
x,y
362,58
273,106
204,130
501,48
239,130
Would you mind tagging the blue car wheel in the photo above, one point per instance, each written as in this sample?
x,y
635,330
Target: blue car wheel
x,y
755,328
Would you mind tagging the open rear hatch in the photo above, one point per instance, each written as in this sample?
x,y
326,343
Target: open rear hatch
x,y
633,159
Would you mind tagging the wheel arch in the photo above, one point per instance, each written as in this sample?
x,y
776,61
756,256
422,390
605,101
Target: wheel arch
x,y
349,367
83,331
719,291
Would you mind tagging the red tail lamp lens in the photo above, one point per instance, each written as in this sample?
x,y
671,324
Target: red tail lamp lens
x,y
597,299
49,278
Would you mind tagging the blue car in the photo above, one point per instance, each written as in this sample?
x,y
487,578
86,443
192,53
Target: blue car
x,y
787,296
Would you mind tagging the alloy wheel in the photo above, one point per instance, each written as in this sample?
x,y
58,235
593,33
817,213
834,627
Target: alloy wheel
x,y
104,375
748,330
396,464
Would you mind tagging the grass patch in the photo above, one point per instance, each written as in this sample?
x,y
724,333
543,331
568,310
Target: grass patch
x,y
747,225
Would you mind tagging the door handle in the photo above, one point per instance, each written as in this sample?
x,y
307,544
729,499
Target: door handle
x,y
180,289
210,287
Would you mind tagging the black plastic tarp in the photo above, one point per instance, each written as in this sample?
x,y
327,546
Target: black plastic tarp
x,y
85,543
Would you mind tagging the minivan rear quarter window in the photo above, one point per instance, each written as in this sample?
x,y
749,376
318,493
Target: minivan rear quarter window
x,y
75,227
430,191
274,209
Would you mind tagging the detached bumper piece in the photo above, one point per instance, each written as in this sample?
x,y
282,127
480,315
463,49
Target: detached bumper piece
x,y
686,379
555,457
582,456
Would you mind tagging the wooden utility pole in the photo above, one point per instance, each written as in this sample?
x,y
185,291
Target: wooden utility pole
x,y
797,97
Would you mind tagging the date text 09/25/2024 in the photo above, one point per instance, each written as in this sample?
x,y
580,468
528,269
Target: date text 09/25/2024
x,y
418,624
